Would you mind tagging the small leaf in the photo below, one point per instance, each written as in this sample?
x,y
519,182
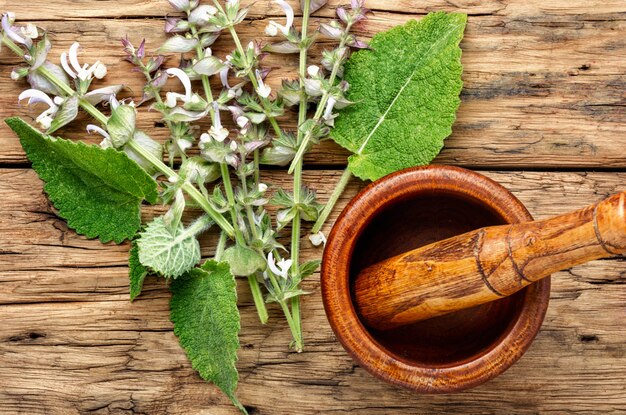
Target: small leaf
x,y
98,191
284,47
178,44
309,268
208,66
243,260
206,320
406,93
168,253
136,272
66,114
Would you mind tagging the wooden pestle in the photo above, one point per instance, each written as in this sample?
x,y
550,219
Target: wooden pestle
x,y
486,264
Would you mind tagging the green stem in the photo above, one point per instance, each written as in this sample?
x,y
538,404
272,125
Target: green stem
x,y
297,177
230,196
337,192
302,146
11,45
295,331
221,245
257,296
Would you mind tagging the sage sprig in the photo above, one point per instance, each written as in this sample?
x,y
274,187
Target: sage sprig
x,y
98,189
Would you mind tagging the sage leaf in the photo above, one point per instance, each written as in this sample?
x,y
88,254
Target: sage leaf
x,y
136,271
243,261
97,191
204,311
169,252
406,92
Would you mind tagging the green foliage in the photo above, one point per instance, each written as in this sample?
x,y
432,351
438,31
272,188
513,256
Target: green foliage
x,y
206,320
169,252
243,260
406,92
98,192
136,272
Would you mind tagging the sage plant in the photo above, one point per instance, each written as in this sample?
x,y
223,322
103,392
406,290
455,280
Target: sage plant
x,y
237,204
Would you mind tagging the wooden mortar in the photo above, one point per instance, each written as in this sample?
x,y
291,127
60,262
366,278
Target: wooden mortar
x,y
405,211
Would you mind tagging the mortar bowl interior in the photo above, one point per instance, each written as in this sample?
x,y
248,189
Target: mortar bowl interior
x,y
404,211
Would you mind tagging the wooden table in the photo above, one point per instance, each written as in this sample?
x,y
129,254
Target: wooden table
x,y
543,113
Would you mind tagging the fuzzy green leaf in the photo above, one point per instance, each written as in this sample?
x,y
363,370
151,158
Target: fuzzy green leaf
x,y
243,260
136,272
97,191
169,252
406,92
206,320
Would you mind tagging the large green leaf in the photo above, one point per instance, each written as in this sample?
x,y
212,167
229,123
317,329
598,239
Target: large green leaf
x,y
206,320
98,192
406,92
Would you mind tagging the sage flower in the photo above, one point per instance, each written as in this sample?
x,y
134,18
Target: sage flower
x,y
171,98
262,89
35,96
106,138
184,5
217,131
273,28
84,72
281,268
23,36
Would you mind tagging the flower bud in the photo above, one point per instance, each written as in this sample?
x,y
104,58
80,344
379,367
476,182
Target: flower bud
x,y
121,124
19,73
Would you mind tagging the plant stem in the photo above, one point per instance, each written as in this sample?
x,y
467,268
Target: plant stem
x,y
297,177
257,296
295,331
230,196
302,146
221,244
328,208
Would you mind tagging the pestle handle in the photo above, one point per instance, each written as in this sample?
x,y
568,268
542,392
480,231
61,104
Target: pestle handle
x,y
486,264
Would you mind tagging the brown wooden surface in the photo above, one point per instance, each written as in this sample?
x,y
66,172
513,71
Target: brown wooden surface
x,y
543,99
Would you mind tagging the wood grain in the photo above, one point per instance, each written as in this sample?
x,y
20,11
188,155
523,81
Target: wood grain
x,y
544,89
544,85
70,342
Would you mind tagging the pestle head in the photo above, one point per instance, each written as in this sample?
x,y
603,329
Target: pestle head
x,y
485,265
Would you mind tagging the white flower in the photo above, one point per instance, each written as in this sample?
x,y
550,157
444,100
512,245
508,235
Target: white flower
x,y
281,268
29,31
100,70
34,96
83,72
273,28
313,71
318,239
328,112
262,187
262,89
9,31
172,97
217,131
106,142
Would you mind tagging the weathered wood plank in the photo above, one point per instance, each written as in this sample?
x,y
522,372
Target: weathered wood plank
x,y
541,88
70,342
